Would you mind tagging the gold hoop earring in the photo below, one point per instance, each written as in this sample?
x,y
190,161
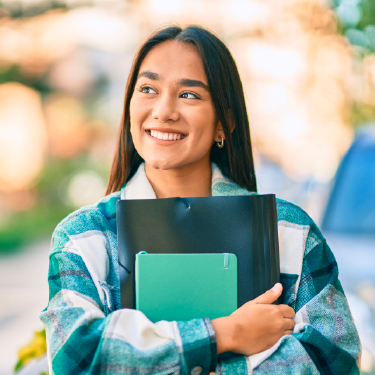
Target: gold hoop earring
x,y
221,144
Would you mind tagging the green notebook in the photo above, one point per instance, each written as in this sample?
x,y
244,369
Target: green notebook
x,y
185,286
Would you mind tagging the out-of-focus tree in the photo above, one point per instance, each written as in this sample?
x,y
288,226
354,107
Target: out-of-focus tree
x,y
356,21
68,60
53,143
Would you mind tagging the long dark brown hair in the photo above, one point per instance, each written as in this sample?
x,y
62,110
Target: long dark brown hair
x,y
235,160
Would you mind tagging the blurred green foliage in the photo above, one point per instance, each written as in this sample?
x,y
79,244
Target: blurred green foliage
x,y
356,19
17,9
368,14
13,73
24,227
361,113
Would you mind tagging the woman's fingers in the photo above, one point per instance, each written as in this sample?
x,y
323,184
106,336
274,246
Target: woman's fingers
x,y
289,324
287,311
262,324
270,296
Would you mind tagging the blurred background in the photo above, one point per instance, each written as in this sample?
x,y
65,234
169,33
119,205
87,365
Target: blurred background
x,y
308,71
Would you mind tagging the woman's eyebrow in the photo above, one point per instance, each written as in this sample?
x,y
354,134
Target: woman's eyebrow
x,y
182,82
193,83
149,75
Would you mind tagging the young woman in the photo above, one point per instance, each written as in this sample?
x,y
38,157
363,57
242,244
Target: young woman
x,y
185,133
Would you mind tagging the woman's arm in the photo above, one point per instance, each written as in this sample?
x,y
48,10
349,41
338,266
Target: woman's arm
x,y
85,337
325,340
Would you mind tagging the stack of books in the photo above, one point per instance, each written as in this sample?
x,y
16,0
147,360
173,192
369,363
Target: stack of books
x,y
187,258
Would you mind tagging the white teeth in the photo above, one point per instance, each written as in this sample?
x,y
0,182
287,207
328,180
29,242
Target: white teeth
x,y
166,136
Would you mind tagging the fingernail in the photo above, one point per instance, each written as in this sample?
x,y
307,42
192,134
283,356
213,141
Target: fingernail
x,y
276,288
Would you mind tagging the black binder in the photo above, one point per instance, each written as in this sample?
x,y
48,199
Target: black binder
x,y
242,225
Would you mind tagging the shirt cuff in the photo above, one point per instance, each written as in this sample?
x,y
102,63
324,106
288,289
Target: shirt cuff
x,y
230,363
198,349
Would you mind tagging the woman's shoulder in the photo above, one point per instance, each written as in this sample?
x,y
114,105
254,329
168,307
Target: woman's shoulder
x,y
291,212
295,227
288,212
99,216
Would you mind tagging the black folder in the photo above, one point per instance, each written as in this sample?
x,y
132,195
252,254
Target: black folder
x,y
242,225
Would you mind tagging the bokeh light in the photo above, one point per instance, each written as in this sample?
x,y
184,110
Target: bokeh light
x,y
307,68
300,75
23,136
85,188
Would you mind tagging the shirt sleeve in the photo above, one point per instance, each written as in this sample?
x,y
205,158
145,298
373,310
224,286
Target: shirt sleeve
x,y
85,337
325,339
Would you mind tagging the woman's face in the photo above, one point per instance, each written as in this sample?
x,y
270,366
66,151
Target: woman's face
x,y
173,119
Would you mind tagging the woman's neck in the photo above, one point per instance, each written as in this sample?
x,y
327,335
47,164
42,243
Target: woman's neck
x,y
193,180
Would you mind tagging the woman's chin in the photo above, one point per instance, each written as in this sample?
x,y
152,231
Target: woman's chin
x,y
163,164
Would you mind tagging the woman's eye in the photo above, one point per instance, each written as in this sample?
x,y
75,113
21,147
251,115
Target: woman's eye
x,y
185,95
147,90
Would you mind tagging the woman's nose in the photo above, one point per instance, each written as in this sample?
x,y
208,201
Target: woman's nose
x,y
165,109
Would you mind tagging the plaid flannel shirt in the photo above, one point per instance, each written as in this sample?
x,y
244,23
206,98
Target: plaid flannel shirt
x,y
89,333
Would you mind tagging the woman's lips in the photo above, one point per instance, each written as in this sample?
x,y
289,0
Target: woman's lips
x,y
165,137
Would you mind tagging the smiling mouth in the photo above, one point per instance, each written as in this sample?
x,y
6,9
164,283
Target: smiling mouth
x,y
165,136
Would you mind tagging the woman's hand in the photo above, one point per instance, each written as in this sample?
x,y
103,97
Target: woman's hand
x,y
255,326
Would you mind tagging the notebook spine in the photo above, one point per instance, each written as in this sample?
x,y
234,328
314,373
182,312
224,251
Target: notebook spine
x,y
255,274
266,249
267,245
275,241
272,242
262,250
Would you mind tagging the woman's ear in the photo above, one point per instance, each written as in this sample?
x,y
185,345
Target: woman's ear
x,y
219,129
219,133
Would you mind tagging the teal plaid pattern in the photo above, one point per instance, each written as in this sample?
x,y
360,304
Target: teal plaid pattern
x,y
88,332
